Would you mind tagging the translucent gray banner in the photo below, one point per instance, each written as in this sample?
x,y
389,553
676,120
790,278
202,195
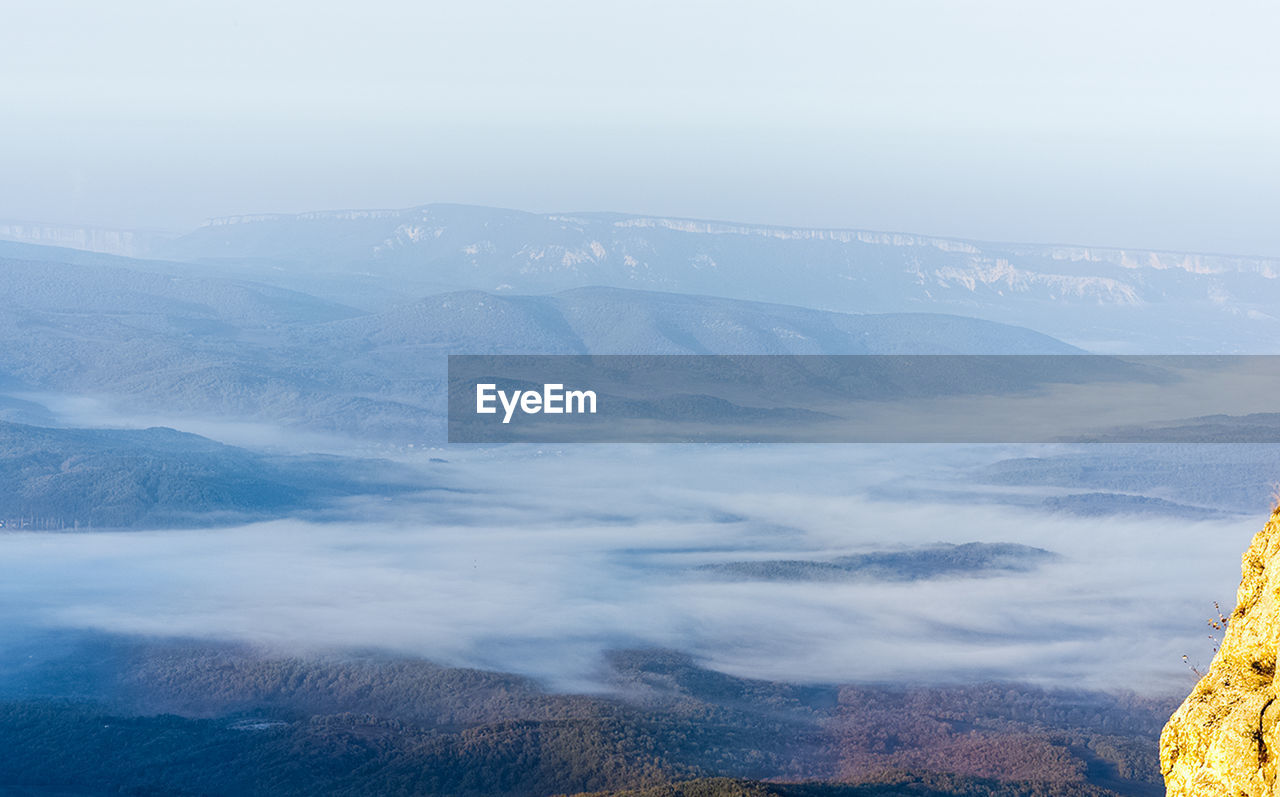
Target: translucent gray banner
x,y
863,399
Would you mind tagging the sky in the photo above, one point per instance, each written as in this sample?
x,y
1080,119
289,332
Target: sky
x,y
1142,123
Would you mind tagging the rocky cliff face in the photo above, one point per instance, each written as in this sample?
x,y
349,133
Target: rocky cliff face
x,y
1224,741
130,243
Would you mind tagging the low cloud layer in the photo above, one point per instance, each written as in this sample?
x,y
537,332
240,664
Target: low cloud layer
x,y
546,559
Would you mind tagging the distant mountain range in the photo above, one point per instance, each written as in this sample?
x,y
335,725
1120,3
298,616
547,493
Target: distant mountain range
x,y
1103,299
242,338
173,338
617,321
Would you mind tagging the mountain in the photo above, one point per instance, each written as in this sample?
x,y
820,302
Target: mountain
x,y
1100,298
49,282
615,321
169,340
145,716
68,478
115,241
1200,478
1220,742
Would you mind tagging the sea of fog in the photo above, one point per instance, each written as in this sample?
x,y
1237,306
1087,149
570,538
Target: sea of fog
x,y
536,561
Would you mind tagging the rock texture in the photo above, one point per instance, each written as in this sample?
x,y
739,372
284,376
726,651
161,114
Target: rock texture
x,y
1224,741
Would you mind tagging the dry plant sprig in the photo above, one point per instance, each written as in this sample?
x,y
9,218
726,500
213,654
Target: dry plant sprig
x,y
1219,626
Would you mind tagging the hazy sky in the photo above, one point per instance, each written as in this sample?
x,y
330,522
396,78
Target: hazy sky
x,y
1138,123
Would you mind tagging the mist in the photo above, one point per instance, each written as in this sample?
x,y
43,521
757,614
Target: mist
x,y
547,560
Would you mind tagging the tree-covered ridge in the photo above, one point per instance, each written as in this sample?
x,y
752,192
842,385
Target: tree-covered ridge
x,y
907,564
232,348
888,784
78,478
177,718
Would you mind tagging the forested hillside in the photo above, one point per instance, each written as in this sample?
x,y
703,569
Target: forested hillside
x,y
220,720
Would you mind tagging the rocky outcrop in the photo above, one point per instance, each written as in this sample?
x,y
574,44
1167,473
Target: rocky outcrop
x,y
1224,741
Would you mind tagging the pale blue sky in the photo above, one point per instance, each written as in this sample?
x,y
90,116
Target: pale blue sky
x,y
1137,123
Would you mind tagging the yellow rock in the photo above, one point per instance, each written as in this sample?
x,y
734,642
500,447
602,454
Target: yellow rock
x,y
1224,740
